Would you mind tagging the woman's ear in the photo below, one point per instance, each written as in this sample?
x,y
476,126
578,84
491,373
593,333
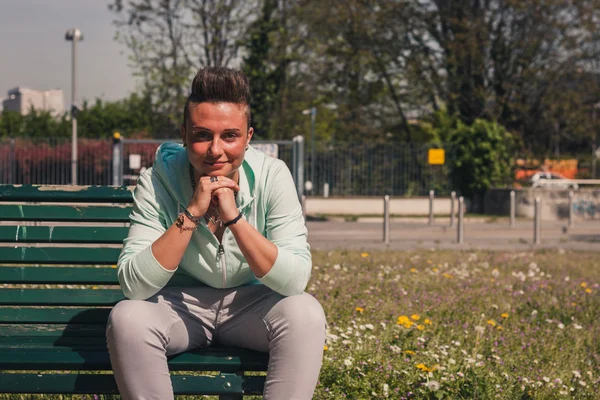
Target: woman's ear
x,y
249,137
183,136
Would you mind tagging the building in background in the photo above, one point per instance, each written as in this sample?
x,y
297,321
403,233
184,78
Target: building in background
x,y
22,99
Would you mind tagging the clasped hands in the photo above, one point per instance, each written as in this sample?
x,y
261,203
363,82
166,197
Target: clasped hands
x,y
220,192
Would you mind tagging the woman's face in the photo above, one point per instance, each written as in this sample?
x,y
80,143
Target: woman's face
x,y
216,136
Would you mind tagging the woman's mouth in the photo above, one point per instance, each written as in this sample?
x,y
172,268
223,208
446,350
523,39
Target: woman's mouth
x,y
215,164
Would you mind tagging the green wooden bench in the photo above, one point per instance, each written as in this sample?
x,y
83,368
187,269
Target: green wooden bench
x,y
58,283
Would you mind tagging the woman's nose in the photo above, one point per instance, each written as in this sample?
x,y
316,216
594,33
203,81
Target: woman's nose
x,y
216,148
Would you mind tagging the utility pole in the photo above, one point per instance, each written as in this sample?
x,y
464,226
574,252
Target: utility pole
x,y
73,35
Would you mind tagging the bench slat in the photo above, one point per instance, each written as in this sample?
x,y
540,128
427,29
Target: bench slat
x,y
79,213
59,275
53,315
66,193
62,358
52,330
105,384
69,297
76,275
62,234
59,255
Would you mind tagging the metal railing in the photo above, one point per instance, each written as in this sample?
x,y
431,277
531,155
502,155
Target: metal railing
x,y
340,169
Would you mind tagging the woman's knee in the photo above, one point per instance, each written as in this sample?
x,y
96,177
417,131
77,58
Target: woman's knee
x,y
302,313
129,318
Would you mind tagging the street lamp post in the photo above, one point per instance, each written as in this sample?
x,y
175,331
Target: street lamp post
x,y
313,116
74,35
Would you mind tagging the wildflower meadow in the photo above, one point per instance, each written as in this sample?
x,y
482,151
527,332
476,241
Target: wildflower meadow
x,y
459,325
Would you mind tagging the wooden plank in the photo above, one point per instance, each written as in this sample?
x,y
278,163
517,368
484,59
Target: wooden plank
x,y
63,213
105,384
55,331
53,315
69,342
76,275
66,193
61,358
62,234
59,255
59,275
49,297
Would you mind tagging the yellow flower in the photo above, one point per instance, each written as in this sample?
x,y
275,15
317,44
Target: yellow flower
x,y
447,275
325,348
364,255
421,327
409,352
427,321
504,315
424,368
573,304
499,327
413,270
403,319
588,290
428,261
435,270
360,309
416,317
583,284
491,322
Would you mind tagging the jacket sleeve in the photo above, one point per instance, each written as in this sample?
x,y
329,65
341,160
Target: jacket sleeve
x,y
285,228
140,275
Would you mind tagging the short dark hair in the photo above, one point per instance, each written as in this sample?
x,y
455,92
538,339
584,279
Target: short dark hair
x,y
219,85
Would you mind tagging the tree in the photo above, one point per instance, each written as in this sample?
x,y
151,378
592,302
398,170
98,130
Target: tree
x,y
481,158
169,40
504,59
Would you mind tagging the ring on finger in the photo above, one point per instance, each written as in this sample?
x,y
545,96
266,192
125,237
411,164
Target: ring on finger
x,y
214,179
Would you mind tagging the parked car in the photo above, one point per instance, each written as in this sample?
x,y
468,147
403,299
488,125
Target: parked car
x,y
552,180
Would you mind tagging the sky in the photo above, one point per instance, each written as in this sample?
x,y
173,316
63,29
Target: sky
x,y
35,54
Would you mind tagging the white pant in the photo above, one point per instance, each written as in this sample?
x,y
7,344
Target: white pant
x,y
141,333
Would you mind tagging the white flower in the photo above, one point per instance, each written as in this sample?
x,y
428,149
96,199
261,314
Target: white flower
x,y
451,361
582,383
479,329
546,379
567,279
561,326
383,325
337,267
369,326
347,362
434,386
386,390
395,349
577,374
577,326
534,313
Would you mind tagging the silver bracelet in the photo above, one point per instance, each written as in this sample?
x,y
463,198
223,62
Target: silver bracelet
x,y
196,220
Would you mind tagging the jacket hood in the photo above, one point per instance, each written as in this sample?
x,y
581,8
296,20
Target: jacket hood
x,y
171,165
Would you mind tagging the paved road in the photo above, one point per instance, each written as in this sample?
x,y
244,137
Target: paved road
x,y
478,235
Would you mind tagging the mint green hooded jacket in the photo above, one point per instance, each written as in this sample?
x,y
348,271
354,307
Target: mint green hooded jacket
x,y
267,200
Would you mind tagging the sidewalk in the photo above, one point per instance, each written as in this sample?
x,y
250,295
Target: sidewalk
x,y
406,235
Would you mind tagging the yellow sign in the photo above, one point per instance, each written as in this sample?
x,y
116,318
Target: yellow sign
x,y
436,156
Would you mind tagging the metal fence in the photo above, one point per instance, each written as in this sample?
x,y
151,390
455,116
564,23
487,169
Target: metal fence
x,y
341,169
376,169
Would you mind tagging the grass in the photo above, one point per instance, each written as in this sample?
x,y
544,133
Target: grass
x,y
457,325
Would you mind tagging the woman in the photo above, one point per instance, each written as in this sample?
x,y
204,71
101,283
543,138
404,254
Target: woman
x,y
228,217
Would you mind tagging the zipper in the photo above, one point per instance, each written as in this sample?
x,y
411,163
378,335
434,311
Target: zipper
x,y
221,257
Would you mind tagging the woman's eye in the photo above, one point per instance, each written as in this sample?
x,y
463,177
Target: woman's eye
x,y
202,135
